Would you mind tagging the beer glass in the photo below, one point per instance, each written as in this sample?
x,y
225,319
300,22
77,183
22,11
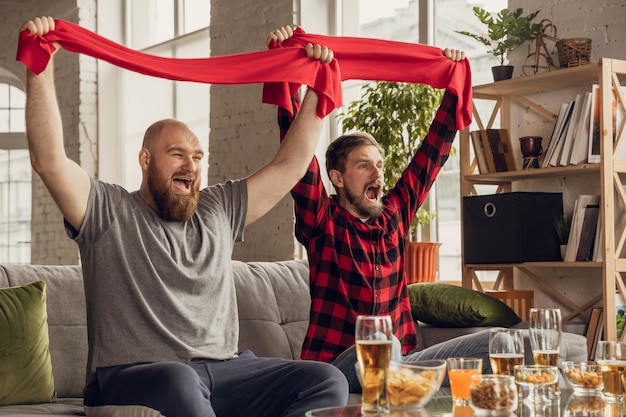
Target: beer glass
x,y
611,356
506,349
373,351
545,329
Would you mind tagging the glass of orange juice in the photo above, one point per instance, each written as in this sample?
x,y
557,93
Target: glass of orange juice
x,y
460,371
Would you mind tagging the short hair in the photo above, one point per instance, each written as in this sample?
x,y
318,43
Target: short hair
x,y
155,129
339,149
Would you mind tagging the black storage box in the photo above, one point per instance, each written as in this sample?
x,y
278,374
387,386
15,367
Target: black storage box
x,y
511,227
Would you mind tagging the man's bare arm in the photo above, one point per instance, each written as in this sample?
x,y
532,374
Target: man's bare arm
x,y
271,183
68,183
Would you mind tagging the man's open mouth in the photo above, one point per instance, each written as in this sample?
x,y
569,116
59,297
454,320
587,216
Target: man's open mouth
x,y
182,183
372,192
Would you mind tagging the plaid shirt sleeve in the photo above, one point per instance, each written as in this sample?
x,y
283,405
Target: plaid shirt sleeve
x,y
411,190
309,195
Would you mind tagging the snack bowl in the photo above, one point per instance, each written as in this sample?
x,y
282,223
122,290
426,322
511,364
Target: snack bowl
x,y
585,403
493,395
411,385
585,377
535,376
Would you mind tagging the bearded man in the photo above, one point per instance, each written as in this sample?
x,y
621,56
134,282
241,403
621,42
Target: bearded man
x,y
161,309
355,239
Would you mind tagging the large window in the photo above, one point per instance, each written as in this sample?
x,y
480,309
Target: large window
x,y
156,21
15,178
168,28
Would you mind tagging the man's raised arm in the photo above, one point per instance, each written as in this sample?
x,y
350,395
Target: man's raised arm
x,y
271,183
66,180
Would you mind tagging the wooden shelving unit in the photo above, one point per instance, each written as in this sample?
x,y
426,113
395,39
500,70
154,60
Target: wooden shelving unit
x,y
607,73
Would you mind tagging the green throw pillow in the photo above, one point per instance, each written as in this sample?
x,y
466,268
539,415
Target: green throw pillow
x,y
446,305
25,365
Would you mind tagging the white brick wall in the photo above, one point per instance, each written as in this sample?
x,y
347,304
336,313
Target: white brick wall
x,y
244,134
77,99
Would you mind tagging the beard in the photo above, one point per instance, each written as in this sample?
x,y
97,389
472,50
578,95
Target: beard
x,y
173,206
366,208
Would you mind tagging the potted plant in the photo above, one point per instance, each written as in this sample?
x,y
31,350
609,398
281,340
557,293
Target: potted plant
x,y
399,115
505,31
562,225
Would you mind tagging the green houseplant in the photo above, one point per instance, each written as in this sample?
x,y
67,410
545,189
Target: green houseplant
x,y
562,225
506,30
398,115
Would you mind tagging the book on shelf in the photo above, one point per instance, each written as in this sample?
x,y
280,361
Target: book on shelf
x,y
594,321
593,155
479,152
572,126
549,146
581,138
597,244
595,331
556,142
500,151
588,233
578,218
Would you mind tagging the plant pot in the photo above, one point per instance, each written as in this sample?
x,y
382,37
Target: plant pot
x,y
502,72
421,260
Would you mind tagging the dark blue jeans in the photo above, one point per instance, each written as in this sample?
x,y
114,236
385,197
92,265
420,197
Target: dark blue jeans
x,y
243,386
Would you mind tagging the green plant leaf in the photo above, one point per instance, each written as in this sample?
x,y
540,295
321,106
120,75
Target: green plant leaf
x,y
505,31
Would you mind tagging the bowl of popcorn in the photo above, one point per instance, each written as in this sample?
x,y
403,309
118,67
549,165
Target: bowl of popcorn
x,y
494,395
585,377
412,384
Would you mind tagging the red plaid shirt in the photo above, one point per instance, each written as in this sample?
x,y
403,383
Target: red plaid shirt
x,y
357,267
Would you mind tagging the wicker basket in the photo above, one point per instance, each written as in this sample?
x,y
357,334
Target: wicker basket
x,y
573,52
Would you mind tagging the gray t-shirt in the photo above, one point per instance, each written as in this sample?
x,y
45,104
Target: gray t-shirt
x,y
160,290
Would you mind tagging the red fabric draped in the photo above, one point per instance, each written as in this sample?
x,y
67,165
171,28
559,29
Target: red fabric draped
x,y
282,68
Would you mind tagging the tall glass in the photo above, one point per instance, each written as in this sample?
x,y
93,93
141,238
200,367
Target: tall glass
x,y
545,330
506,349
373,351
460,372
611,356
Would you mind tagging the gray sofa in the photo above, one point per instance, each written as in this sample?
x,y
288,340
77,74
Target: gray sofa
x,y
273,303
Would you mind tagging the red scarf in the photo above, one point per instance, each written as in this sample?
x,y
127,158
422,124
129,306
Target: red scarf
x,y
283,68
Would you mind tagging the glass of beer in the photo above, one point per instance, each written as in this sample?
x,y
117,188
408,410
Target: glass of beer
x,y
373,351
611,356
545,330
506,349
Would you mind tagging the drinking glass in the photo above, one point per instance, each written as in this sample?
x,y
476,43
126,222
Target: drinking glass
x,y
373,351
611,356
545,329
460,371
506,349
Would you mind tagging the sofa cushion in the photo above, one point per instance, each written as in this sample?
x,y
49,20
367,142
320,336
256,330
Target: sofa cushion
x,y
25,365
273,300
446,305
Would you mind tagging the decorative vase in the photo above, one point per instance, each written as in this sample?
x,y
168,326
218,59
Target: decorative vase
x,y
421,260
502,72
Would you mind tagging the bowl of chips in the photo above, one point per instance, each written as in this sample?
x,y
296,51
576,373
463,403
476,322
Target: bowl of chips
x,y
411,385
585,377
